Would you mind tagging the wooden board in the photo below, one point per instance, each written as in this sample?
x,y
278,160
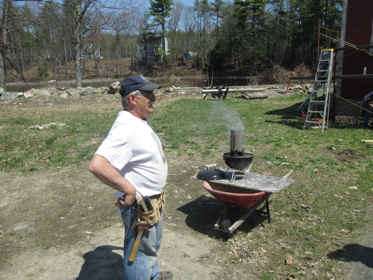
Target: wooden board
x,y
253,181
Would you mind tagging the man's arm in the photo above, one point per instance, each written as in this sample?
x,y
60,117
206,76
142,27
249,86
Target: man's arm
x,y
106,173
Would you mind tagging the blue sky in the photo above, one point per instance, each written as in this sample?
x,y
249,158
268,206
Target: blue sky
x,y
187,2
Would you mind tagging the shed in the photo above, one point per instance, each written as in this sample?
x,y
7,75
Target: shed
x,y
355,56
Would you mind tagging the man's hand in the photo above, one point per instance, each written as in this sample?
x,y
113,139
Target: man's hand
x,y
125,201
107,174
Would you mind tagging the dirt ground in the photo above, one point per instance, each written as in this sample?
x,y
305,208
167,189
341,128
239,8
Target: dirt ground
x,y
74,211
32,214
62,224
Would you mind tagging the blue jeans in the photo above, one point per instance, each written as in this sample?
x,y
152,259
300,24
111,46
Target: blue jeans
x,y
145,266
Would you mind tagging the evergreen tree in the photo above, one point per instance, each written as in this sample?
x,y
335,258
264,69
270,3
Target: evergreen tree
x,y
308,15
160,10
217,10
250,40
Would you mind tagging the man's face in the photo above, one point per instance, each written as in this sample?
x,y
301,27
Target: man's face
x,y
144,104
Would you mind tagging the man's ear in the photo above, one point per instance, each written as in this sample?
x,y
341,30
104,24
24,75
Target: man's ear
x,y
132,99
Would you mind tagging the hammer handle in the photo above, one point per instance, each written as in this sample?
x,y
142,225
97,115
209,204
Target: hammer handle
x,y
136,245
148,204
142,202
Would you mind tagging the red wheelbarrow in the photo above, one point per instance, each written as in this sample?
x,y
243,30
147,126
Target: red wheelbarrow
x,y
244,195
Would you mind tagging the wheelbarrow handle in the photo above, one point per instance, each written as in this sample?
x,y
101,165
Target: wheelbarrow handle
x,y
287,175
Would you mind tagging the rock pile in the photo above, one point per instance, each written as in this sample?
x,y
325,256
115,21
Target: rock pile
x,y
305,89
64,93
300,89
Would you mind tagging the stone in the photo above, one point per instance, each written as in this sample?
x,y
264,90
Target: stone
x,y
158,92
114,87
87,90
64,95
73,91
42,92
101,90
168,93
61,92
10,95
30,93
20,227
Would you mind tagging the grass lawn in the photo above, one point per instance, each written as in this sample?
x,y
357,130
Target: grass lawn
x,y
313,219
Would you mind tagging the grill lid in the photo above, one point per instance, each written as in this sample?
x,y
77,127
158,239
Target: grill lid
x,y
211,174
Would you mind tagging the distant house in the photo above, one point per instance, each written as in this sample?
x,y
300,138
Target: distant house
x,y
357,29
148,47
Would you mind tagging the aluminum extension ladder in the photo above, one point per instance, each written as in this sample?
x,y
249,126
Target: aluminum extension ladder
x,y
319,99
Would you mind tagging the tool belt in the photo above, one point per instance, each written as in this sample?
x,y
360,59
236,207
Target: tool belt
x,y
152,217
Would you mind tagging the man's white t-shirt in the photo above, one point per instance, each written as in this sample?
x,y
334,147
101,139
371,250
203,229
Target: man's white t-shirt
x,y
135,151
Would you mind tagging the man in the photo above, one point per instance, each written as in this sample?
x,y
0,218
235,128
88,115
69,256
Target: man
x,y
131,160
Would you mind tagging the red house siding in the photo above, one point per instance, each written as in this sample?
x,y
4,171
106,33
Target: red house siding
x,y
358,32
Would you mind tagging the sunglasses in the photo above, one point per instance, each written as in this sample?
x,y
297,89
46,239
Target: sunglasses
x,y
148,95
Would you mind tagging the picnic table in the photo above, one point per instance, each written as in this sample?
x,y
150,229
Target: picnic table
x,y
215,92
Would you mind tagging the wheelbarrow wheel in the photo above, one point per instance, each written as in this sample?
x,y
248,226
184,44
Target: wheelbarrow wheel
x,y
229,218
225,225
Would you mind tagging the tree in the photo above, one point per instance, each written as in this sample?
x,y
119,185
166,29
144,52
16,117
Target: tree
x,y
84,19
77,24
5,22
307,16
124,25
249,35
280,27
160,10
48,34
185,36
203,29
11,31
217,10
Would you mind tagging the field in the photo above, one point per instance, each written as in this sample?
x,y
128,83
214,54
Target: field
x,y
59,222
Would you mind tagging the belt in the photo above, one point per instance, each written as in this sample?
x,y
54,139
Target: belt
x,y
154,196
150,197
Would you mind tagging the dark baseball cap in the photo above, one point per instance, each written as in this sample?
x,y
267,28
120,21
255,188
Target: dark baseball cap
x,y
133,83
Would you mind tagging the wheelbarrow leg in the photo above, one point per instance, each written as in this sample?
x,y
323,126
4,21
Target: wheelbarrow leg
x,y
242,219
257,218
225,94
217,224
248,213
268,213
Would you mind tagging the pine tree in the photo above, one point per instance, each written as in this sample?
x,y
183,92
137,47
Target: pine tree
x,y
161,10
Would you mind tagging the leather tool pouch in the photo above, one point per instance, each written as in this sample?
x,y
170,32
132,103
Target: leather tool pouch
x,y
152,217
